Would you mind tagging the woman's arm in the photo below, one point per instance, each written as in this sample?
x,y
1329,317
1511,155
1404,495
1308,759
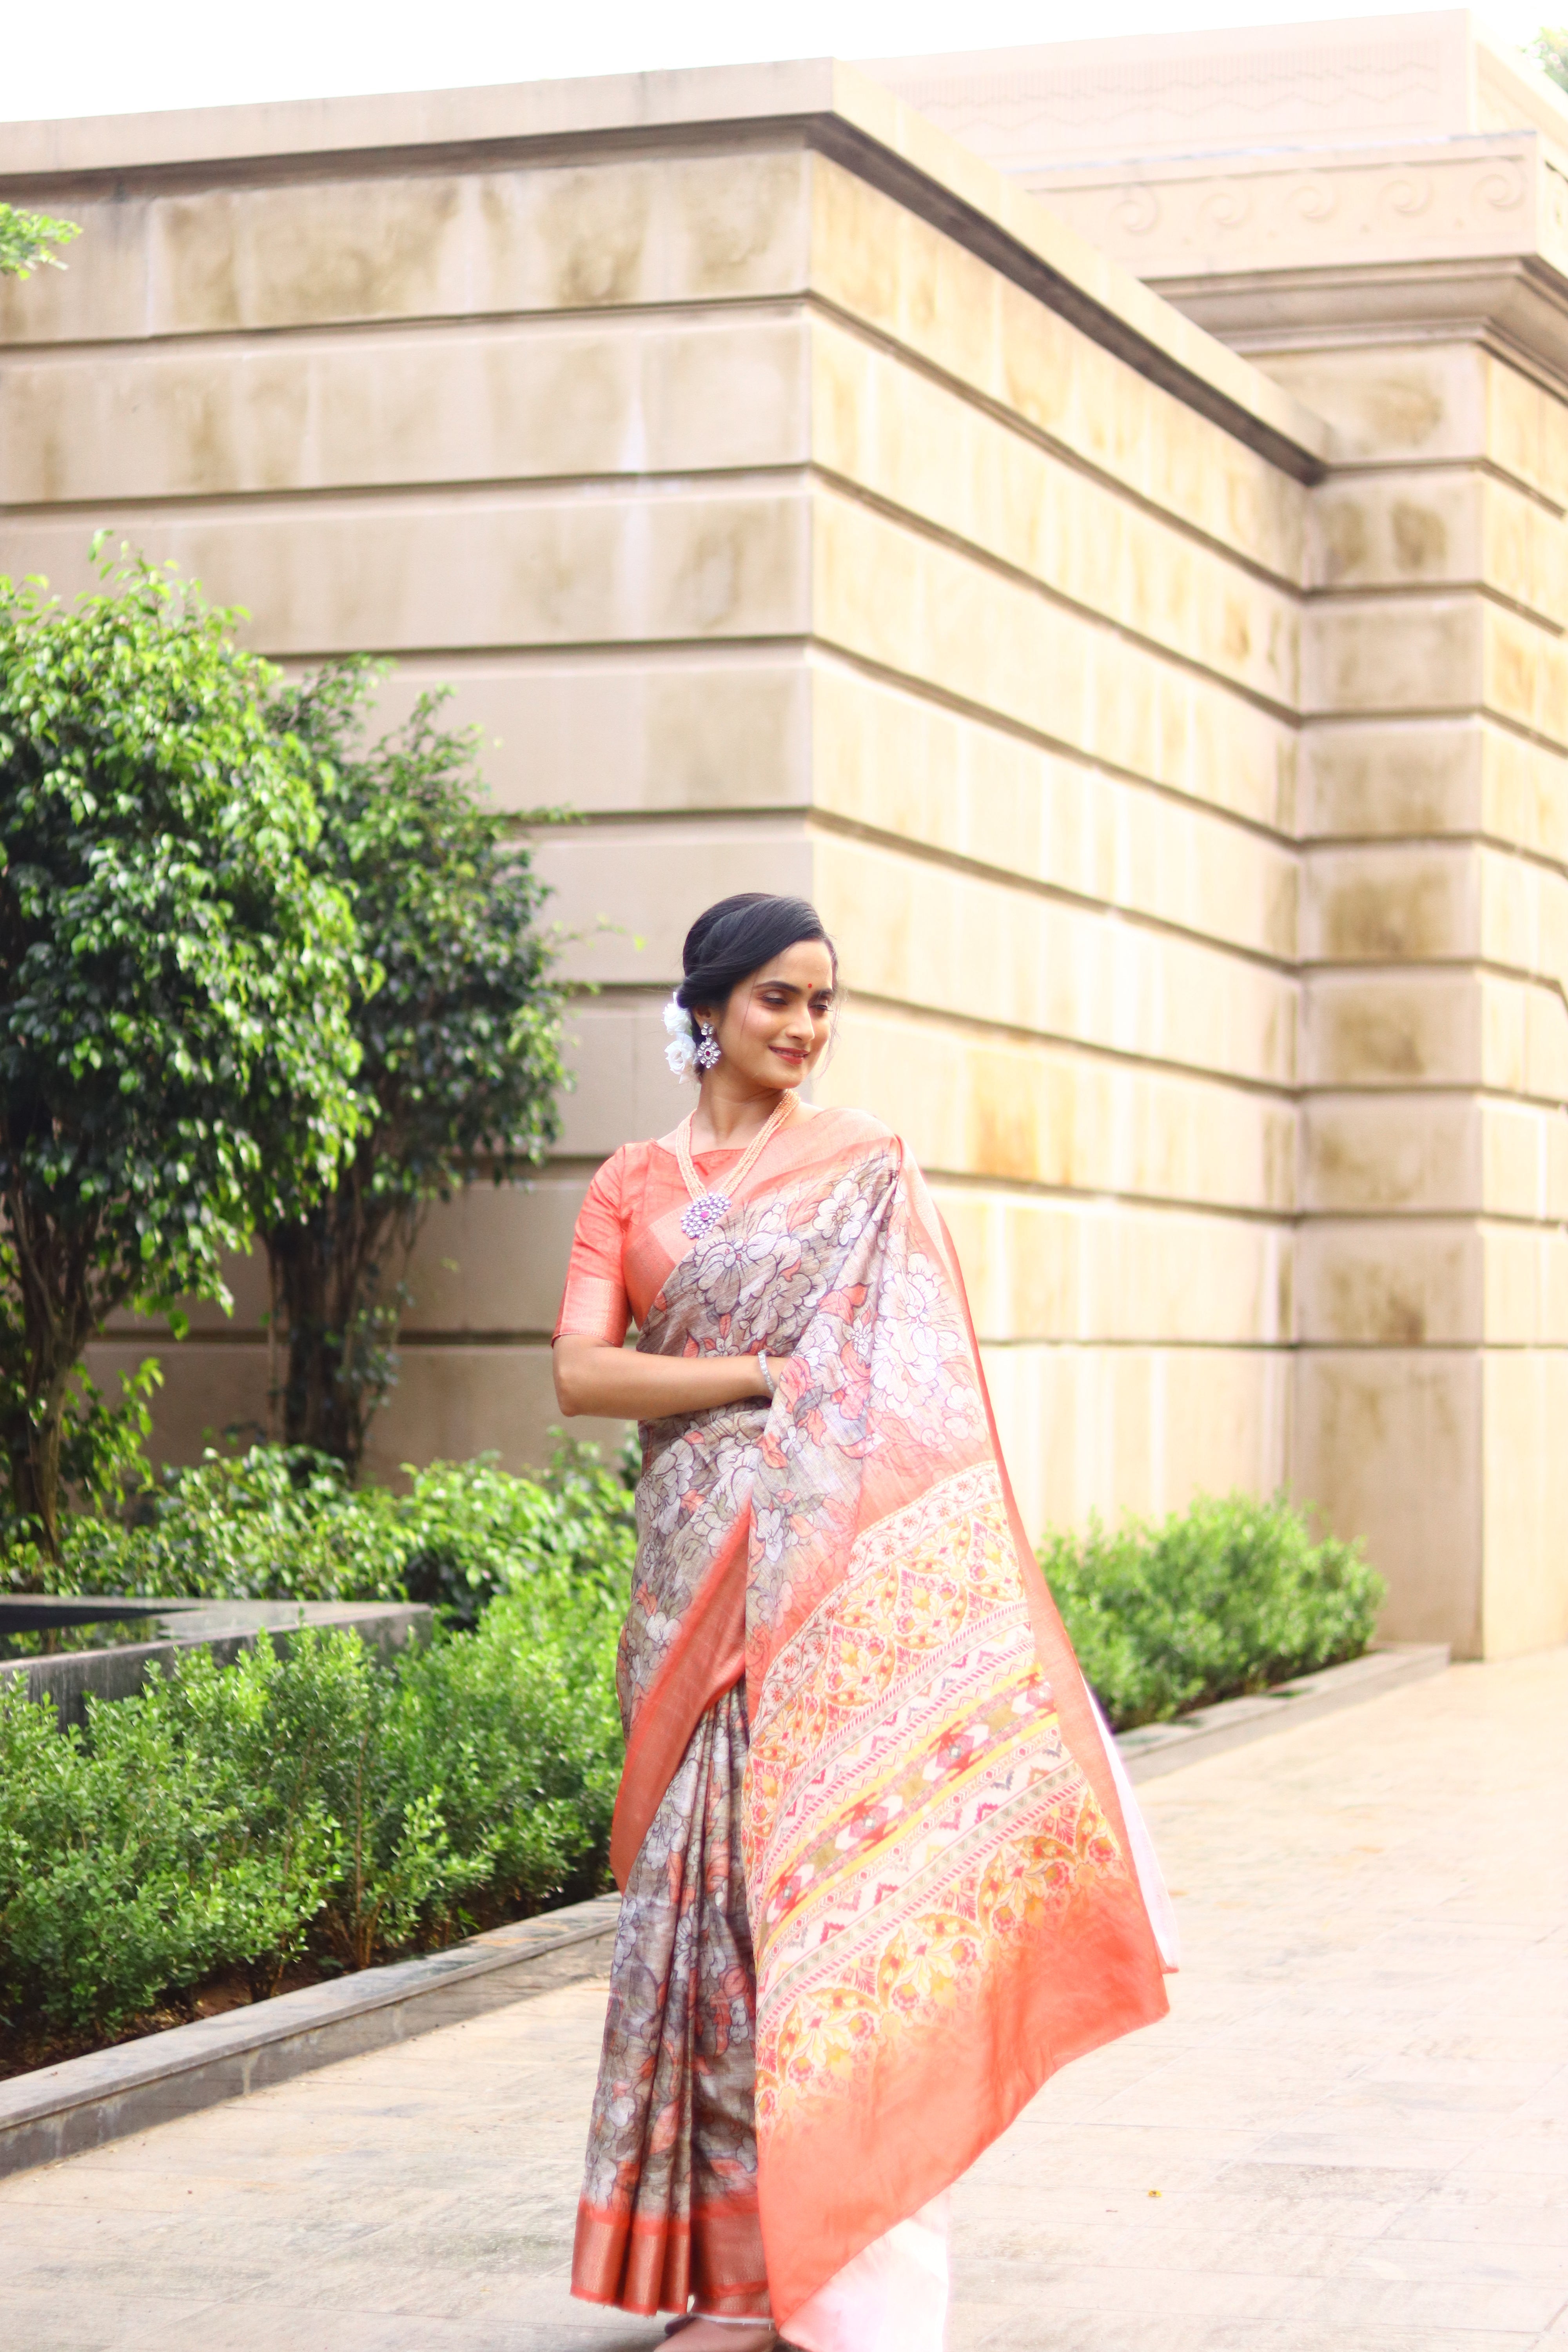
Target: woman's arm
x,y
592,1378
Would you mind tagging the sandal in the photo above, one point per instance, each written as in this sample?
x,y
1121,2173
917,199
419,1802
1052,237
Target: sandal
x,y
690,2318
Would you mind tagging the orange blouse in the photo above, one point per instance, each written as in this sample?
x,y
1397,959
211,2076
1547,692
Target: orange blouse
x,y
628,1228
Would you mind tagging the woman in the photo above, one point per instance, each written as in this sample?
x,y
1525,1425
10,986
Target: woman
x,y
874,1851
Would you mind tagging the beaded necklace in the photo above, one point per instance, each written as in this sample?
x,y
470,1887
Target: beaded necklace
x,y
706,1208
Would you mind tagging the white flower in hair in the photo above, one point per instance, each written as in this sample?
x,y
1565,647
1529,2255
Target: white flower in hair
x,y
681,1050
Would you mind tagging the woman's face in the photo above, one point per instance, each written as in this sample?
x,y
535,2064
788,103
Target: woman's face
x,y
776,1023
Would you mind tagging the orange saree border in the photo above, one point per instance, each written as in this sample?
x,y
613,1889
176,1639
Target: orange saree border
x,y
707,1658
658,2265
920,2124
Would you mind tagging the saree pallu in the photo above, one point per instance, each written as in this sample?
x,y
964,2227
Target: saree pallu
x,y
876,1874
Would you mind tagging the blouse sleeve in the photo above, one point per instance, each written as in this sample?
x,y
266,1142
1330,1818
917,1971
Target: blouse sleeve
x,y
594,1304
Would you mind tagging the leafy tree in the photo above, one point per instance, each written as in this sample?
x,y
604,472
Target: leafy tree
x,y
176,1055
26,241
461,1040
1550,51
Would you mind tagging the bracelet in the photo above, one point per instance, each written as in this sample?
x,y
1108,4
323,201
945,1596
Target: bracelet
x,y
766,1371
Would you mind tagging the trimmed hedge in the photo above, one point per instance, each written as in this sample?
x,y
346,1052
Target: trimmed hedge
x,y
1226,1597
281,1523
318,1802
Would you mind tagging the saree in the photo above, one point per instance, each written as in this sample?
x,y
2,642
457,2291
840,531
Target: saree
x,y
878,1880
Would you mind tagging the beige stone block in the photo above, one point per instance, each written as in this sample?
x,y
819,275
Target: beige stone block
x,y
1525,1492
736,224
1524,1033
1104,1270
448,1404
491,1261
214,1391
100,296
1524,914
1525,672
513,402
1526,429
920,447
1138,1432
626,894
1525,553
923,611
973,1103
1384,1152
1368,1029
1409,400
1524,1159
1525,1277
248,1286
1410,654
1412,527
1392,776
1377,1282
904,279
610,733
623,1091
911,932
1387,1444
1387,903
478,569
1525,793
370,246
1546,1042
885,759
451,1403
1402,529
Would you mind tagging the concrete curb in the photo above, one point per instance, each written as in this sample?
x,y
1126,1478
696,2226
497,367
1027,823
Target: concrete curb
x,y
61,2110
80,2104
1160,1747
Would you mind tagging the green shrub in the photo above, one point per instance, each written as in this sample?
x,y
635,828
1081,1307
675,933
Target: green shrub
x,y
281,1523
1226,1597
234,1817
474,1530
276,1523
172,1839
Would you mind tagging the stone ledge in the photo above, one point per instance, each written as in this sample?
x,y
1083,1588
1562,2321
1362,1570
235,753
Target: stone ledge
x,y
225,1627
1158,1748
61,2110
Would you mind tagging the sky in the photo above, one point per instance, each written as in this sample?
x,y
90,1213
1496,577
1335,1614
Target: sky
x,y
103,56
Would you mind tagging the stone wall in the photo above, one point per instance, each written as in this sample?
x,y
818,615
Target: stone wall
x,y
799,499
1415,295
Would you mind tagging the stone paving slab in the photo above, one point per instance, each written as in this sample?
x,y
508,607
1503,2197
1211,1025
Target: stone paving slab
x,y
1351,2136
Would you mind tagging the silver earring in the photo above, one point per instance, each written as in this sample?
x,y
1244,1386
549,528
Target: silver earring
x,y
708,1049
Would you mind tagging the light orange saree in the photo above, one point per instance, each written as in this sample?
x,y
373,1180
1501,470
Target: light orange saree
x,y
876,1872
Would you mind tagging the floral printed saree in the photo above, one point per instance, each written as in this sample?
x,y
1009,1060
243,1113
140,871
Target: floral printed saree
x,y
877,1878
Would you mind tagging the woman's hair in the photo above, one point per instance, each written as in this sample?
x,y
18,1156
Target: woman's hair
x,y
736,937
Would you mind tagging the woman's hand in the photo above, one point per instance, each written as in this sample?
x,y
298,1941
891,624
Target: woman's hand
x,y
624,1385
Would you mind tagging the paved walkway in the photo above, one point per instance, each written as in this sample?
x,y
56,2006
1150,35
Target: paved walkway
x,y
1353,2133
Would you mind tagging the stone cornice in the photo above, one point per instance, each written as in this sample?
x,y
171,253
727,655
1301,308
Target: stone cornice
x,y
823,103
1497,192
1456,236
1514,303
